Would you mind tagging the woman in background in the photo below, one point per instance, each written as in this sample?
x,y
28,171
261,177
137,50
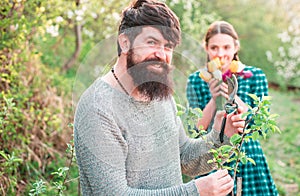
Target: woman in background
x,y
221,41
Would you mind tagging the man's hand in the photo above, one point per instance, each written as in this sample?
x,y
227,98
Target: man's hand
x,y
234,124
215,184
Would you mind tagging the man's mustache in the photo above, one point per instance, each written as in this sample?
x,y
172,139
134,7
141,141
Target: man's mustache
x,y
163,64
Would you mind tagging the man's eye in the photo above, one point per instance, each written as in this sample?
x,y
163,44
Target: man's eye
x,y
151,43
169,47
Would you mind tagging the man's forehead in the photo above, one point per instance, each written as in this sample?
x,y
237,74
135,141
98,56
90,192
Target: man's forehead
x,y
152,32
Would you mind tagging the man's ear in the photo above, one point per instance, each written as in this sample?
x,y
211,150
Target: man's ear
x,y
124,43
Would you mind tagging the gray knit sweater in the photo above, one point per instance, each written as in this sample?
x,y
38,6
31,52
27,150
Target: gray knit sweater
x,y
127,147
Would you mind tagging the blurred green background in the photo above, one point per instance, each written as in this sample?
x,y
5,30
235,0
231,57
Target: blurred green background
x,y
50,50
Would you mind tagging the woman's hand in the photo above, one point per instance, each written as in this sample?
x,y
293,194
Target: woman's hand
x,y
234,123
217,89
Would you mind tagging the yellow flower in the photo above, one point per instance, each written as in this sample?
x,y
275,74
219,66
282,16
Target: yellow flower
x,y
214,64
234,66
205,75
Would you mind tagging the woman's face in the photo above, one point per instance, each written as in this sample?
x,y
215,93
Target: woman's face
x,y
222,46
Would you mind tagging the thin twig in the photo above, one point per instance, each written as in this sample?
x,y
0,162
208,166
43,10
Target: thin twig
x,y
69,166
239,148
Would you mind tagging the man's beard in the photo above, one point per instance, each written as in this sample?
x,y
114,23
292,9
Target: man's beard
x,y
151,84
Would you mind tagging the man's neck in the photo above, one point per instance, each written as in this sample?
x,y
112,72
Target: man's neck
x,y
122,78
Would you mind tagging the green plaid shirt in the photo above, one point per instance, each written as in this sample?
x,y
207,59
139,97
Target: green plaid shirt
x,y
256,179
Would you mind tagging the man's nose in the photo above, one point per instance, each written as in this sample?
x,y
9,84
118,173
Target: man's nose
x,y
161,53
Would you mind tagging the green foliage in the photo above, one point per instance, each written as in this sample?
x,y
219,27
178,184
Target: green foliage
x,y
193,16
282,151
190,116
60,178
9,168
33,96
60,175
98,20
39,187
264,123
30,110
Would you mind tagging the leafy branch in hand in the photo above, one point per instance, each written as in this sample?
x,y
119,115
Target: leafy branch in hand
x,y
259,123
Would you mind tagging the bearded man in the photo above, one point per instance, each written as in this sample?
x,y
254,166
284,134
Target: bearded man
x,y
127,137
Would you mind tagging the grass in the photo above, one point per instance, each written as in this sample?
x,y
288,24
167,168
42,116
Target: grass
x,y
283,150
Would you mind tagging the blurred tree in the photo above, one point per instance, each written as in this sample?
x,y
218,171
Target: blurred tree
x,y
88,21
287,57
193,16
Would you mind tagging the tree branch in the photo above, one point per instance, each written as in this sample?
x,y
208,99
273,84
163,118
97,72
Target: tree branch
x,y
78,42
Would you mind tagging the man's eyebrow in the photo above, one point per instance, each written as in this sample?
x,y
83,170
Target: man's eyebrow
x,y
152,37
156,39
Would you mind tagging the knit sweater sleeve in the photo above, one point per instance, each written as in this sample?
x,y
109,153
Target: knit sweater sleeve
x,y
101,152
195,152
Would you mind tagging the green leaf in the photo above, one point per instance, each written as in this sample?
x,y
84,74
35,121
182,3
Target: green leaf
x,y
255,135
247,138
190,122
247,131
228,168
267,98
277,129
2,153
213,151
235,139
264,127
264,135
179,106
243,159
197,112
274,116
210,161
225,149
251,160
202,131
194,134
253,96
231,159
180,113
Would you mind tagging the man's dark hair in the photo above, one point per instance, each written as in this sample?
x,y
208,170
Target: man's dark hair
x,y
143,13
